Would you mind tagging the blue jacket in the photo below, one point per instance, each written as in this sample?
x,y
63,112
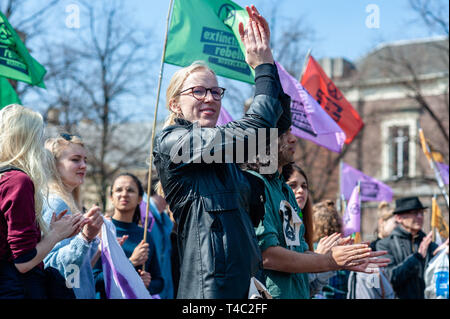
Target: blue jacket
x,y
71,256
160,234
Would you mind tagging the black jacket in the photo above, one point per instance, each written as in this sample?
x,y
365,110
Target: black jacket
x,y
216,205
407,266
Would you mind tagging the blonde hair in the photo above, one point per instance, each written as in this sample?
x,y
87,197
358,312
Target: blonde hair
x,y
172,93
326,219
176,84
21,145
56,146
385,211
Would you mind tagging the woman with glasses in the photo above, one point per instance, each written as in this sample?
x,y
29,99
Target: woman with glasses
x,y
73,257
215,204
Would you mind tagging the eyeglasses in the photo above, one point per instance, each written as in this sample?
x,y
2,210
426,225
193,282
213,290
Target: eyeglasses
x,y
68,137
200,92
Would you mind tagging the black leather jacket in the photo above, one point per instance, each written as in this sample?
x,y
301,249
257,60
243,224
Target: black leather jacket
x,y
215,206
407,266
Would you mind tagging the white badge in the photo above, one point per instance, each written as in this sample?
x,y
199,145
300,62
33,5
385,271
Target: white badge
x,y
291,224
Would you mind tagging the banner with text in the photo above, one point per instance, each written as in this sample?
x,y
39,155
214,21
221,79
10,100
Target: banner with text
x,y
206,30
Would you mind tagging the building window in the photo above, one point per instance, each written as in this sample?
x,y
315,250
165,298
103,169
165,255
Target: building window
x,y
399,151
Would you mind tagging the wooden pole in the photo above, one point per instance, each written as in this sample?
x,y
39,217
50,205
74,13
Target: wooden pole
x,y
150,164
304,65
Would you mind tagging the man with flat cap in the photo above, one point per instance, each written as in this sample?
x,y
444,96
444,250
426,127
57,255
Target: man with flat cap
x,y
408,248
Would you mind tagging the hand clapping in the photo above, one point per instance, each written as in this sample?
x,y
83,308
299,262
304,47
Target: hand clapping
x,y
256,39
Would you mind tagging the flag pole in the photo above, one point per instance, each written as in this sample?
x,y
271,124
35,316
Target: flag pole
x,y
340,182
305,63
358,237
150,164
433,207
433,165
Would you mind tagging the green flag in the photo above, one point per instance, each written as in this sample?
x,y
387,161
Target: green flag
x,y
208,30
7,93
15,61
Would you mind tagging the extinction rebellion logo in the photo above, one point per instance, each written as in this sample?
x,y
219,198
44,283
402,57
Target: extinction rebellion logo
x,y
9,57
222,46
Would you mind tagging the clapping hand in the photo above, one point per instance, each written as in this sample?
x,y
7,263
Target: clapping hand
x,y
256,38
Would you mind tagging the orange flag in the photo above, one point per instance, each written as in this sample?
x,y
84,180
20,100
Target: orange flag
x,y
437,220
319,85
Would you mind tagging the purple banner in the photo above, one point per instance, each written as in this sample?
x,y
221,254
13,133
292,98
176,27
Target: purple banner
x,y
151,219
371,188
443,170
121,279
224,117
352,215
309,120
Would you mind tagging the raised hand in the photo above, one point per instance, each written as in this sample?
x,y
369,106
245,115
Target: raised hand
x,y
423,247
63,226
256,39
442,246
326,243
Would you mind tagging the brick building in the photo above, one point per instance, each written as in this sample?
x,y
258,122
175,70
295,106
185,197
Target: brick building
x,y
396,88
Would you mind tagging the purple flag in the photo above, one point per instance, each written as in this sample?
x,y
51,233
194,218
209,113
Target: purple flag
x,y
309,120
443,170
371,188
224,117
143,208
352,215
121,279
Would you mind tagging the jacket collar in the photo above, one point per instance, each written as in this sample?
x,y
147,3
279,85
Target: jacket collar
x,y
401,232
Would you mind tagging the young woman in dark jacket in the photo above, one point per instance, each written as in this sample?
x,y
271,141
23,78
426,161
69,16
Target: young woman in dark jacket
x,y
215,204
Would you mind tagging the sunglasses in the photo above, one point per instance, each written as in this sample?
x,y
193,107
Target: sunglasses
x,y
68,137
200,92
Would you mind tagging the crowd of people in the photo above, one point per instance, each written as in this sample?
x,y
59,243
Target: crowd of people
x,y
214,227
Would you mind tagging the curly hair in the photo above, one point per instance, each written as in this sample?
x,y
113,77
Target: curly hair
x,y
326,219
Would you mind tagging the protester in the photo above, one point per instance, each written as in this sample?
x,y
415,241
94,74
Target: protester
x,y
298,181
296,178
24,164
386,223
327,223
126,195
409,249
286,258
72,256
160,233
436,274
216,204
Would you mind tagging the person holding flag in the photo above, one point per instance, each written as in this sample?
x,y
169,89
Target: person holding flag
x,y
126,195
214,204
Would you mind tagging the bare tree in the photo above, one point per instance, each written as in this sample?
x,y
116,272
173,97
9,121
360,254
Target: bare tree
x,y
29,25
433,14
95,83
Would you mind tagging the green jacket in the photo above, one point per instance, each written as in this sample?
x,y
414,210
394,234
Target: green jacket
x,y
272,232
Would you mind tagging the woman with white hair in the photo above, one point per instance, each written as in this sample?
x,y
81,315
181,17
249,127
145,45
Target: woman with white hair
x,y
23,182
